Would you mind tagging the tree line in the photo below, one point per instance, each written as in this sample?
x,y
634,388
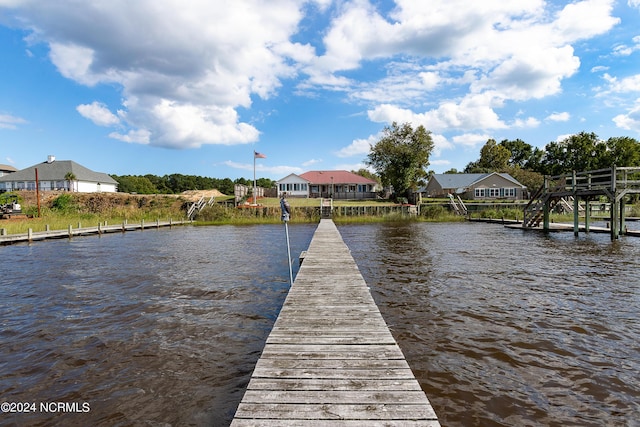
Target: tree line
x,y
178,183
400,160
401,157
580,152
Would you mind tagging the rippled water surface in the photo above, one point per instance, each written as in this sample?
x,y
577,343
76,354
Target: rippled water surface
x,y
160,327
163,327
504,327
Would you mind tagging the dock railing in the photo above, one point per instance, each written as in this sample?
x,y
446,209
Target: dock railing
x,y
612,183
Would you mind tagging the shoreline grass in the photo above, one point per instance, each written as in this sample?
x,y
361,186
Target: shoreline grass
x,y
68,210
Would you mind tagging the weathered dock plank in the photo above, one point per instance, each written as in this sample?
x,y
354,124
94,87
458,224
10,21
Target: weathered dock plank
x,y
330,359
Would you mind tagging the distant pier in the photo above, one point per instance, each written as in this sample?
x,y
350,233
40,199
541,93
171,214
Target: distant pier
x,y
330,359
613,184
29,236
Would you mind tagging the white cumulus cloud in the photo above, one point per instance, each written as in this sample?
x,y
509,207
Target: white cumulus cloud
x,y
630,120
98,113
358,147
183,67
559,117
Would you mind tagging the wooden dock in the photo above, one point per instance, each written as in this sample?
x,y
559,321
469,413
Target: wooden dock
x,y
614,184
330,359
7,239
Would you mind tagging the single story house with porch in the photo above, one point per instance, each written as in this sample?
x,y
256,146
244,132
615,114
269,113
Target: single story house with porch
x,y
475,186
54,175
337,184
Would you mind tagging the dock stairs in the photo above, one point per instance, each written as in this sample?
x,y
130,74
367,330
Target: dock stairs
x,y
573,192
534,211
198,206
326,208
457,205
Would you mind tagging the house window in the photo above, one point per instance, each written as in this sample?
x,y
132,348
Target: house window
x,y
480,192
494,192
509,192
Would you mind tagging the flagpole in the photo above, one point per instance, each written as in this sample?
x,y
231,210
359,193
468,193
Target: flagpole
x,y
255,186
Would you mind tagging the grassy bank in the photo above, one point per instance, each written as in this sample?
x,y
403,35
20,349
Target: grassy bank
x,y
59,210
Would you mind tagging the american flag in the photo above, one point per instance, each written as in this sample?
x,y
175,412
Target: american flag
x,y
257,155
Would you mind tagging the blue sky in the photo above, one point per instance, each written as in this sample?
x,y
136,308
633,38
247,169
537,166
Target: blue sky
x,y
167,86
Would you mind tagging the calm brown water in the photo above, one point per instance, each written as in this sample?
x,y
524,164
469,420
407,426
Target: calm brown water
x,y
163,327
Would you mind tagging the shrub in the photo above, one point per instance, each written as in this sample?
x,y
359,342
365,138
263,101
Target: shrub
x,y
63,203
433,212
213,213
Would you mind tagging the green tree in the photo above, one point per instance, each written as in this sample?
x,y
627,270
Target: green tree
x,y
160,183
401,157
493,158
531,179
265,183
225,186
143,185
367,174
579,152
622,151
521,152
71,177
535,162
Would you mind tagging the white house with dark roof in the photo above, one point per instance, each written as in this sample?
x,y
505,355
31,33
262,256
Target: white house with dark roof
x,y
475,186
54,175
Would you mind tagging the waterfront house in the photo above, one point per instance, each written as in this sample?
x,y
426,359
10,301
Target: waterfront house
x,y
475,186
59,175
293,185
337,184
